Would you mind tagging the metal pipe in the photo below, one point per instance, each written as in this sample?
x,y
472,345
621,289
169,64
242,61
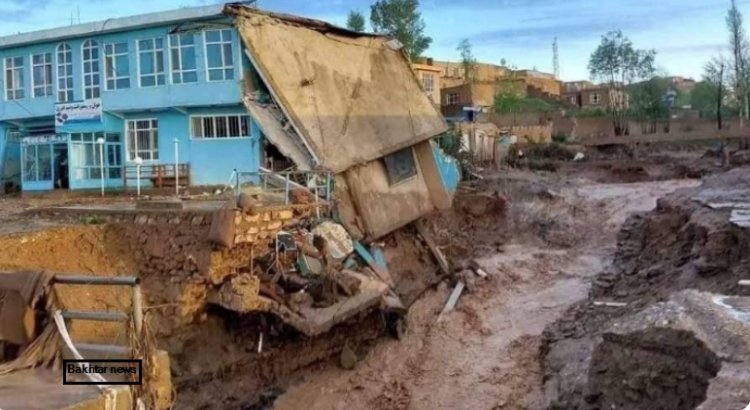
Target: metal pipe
x,y
96,280
95,316
137,297
100,348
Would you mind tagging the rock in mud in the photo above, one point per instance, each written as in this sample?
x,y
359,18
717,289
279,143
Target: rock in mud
x,y
348,358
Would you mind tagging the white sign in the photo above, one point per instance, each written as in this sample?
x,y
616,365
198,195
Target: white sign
x,y
78,112
44,139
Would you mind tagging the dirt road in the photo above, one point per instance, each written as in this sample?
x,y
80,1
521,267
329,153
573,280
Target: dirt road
x,y
484,355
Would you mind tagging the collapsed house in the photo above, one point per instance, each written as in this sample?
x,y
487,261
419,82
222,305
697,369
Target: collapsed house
x,y
348,102
346,112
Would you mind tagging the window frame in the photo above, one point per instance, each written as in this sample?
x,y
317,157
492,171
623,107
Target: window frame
x,y
450,99
47,84
221,43
391,174
65,64
595,98
153,126
18,93
113,56
248,127
154,51
179,47
431,82
94,46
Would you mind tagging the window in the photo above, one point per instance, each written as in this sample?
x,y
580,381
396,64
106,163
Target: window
x,y
151,62
64,73
428,83
182,57
14,78
400,166
219,54
116,66
37,163
453,98
41,74
220,126
85,157
91,78
573,100
595,98
143,140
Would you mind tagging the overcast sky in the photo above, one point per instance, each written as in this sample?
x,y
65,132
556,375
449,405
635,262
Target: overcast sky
x,y
685,33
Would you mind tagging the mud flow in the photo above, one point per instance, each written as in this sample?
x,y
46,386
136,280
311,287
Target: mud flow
x,y
593,284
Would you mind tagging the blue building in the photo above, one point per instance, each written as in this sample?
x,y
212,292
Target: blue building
x,y
163,87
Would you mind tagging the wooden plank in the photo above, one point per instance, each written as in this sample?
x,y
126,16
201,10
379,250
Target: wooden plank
x,y
452,299
610,304
372,263
436,252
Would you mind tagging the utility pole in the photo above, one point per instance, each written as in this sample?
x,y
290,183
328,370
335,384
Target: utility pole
x,y
555,59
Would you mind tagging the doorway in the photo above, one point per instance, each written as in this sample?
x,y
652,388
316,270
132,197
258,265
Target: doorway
x,y
60,169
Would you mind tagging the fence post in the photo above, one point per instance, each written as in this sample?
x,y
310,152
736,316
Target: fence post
x,y
286,189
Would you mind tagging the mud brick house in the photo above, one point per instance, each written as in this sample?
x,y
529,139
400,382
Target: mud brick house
x,y
348,102
151,86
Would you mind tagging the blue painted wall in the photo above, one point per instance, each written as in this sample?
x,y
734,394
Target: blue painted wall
x,y
212,160
202,92
450,171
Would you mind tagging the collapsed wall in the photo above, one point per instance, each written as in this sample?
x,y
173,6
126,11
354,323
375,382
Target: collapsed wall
x,y
690,241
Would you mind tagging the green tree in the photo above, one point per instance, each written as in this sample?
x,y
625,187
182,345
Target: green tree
x,y
402,20
739,63
355,21
617,63
648,102
467,59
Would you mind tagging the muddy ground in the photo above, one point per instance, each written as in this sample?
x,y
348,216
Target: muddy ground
x,y
542,237
558,230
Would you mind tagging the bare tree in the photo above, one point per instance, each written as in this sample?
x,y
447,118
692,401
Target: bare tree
x,y
468,61
715,73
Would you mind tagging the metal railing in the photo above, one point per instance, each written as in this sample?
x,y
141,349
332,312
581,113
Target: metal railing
x,y
279,185
111,316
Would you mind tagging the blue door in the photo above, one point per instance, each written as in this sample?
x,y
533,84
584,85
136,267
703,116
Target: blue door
x,y
37,167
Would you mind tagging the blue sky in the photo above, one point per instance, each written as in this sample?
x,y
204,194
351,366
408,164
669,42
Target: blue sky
x,y
685,33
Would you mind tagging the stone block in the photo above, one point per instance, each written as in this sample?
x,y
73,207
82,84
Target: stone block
x,y
253,230
273,225
285,214
252,218
266,216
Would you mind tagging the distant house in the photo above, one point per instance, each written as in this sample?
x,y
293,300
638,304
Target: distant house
x,y
429,76
588,95
94,97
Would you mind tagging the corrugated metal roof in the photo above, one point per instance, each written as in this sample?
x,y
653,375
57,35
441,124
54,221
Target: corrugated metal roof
x,y
112,25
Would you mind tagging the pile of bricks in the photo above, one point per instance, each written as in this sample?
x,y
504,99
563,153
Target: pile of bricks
x,y
262,224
